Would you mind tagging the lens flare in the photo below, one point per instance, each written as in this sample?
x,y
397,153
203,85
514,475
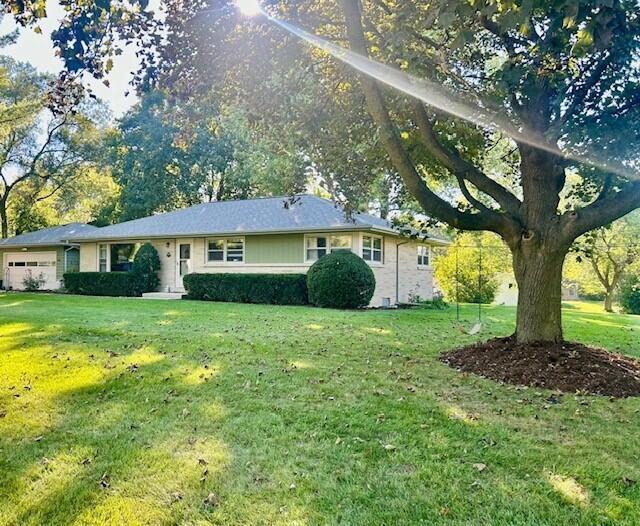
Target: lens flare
x,y
249,7
437,96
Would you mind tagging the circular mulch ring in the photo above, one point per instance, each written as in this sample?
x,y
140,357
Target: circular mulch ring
x,y
567,366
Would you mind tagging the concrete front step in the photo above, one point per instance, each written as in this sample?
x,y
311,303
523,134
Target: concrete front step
x,y
162,295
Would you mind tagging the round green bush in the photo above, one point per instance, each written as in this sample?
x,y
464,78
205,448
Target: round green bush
x,y
146,265
340,280
630,295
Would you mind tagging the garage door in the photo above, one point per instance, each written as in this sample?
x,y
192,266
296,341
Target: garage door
x,y
20,265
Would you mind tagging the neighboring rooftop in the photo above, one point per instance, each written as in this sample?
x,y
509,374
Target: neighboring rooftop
x,y
252,216
54,236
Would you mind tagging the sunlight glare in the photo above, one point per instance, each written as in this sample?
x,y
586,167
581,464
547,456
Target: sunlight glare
x,y
249,7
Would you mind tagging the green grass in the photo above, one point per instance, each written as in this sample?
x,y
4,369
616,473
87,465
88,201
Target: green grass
x,y
295,416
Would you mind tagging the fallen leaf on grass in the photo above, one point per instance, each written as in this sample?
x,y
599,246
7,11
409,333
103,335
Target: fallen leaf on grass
x,y
104,482
479,466
628,481
211,500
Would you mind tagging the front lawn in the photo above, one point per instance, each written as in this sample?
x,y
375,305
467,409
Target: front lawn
x,y
125,411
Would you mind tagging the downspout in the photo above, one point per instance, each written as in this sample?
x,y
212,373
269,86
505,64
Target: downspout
x,y
398,270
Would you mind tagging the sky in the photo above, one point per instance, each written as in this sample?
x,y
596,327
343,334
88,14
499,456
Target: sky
x,y
37,49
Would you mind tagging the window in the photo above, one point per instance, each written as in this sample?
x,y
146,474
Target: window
x,y
340,243
102,258
235,250
230,250
122,255
423,256
215,250
372,248
318,246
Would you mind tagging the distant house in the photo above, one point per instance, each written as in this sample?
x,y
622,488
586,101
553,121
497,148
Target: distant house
x,y
45,252
269,235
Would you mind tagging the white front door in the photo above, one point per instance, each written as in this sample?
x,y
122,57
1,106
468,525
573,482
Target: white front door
x,y
184,266
17,266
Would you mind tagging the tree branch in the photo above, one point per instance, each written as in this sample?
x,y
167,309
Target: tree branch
x,y
431,202
460,168
579,95
601,212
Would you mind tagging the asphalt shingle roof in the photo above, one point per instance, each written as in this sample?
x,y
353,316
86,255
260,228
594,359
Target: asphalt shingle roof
x,y
56,235
273,214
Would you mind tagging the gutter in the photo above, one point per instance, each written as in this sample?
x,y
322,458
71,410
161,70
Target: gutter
x,y
355,228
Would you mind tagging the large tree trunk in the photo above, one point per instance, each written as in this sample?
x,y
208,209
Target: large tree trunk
x,y
539,277
608,301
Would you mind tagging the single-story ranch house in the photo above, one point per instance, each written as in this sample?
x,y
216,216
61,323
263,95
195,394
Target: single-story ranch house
x,y
267,235
45,252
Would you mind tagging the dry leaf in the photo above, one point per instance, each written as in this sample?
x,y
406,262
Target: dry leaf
x,y
211,500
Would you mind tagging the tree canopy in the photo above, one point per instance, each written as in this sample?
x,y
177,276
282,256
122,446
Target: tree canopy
x,y
41,151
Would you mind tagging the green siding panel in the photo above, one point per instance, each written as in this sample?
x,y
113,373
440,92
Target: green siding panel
x,y
274,249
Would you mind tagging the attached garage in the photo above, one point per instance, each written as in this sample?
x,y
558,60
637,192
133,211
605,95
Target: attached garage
x,y
46,253
21,265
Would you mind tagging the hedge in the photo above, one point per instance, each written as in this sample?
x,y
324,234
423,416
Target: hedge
x,y
276,289
102,283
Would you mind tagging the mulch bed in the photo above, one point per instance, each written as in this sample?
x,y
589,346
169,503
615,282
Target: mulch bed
x,y
567,366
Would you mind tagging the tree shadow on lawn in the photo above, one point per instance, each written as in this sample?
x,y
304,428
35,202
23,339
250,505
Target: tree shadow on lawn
x,y
109,444
317,443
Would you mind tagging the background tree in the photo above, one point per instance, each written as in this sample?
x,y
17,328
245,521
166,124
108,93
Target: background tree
x,y
550,69
41,151
469,270
89,198
611,251
167,155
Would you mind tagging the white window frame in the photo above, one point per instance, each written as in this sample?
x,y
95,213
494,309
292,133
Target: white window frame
x,y
225,241
372,236
427,249
108,257
329,248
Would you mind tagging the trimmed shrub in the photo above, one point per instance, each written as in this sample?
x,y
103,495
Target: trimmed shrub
x,y
630,295
146,265
341,280
102,283
275,289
